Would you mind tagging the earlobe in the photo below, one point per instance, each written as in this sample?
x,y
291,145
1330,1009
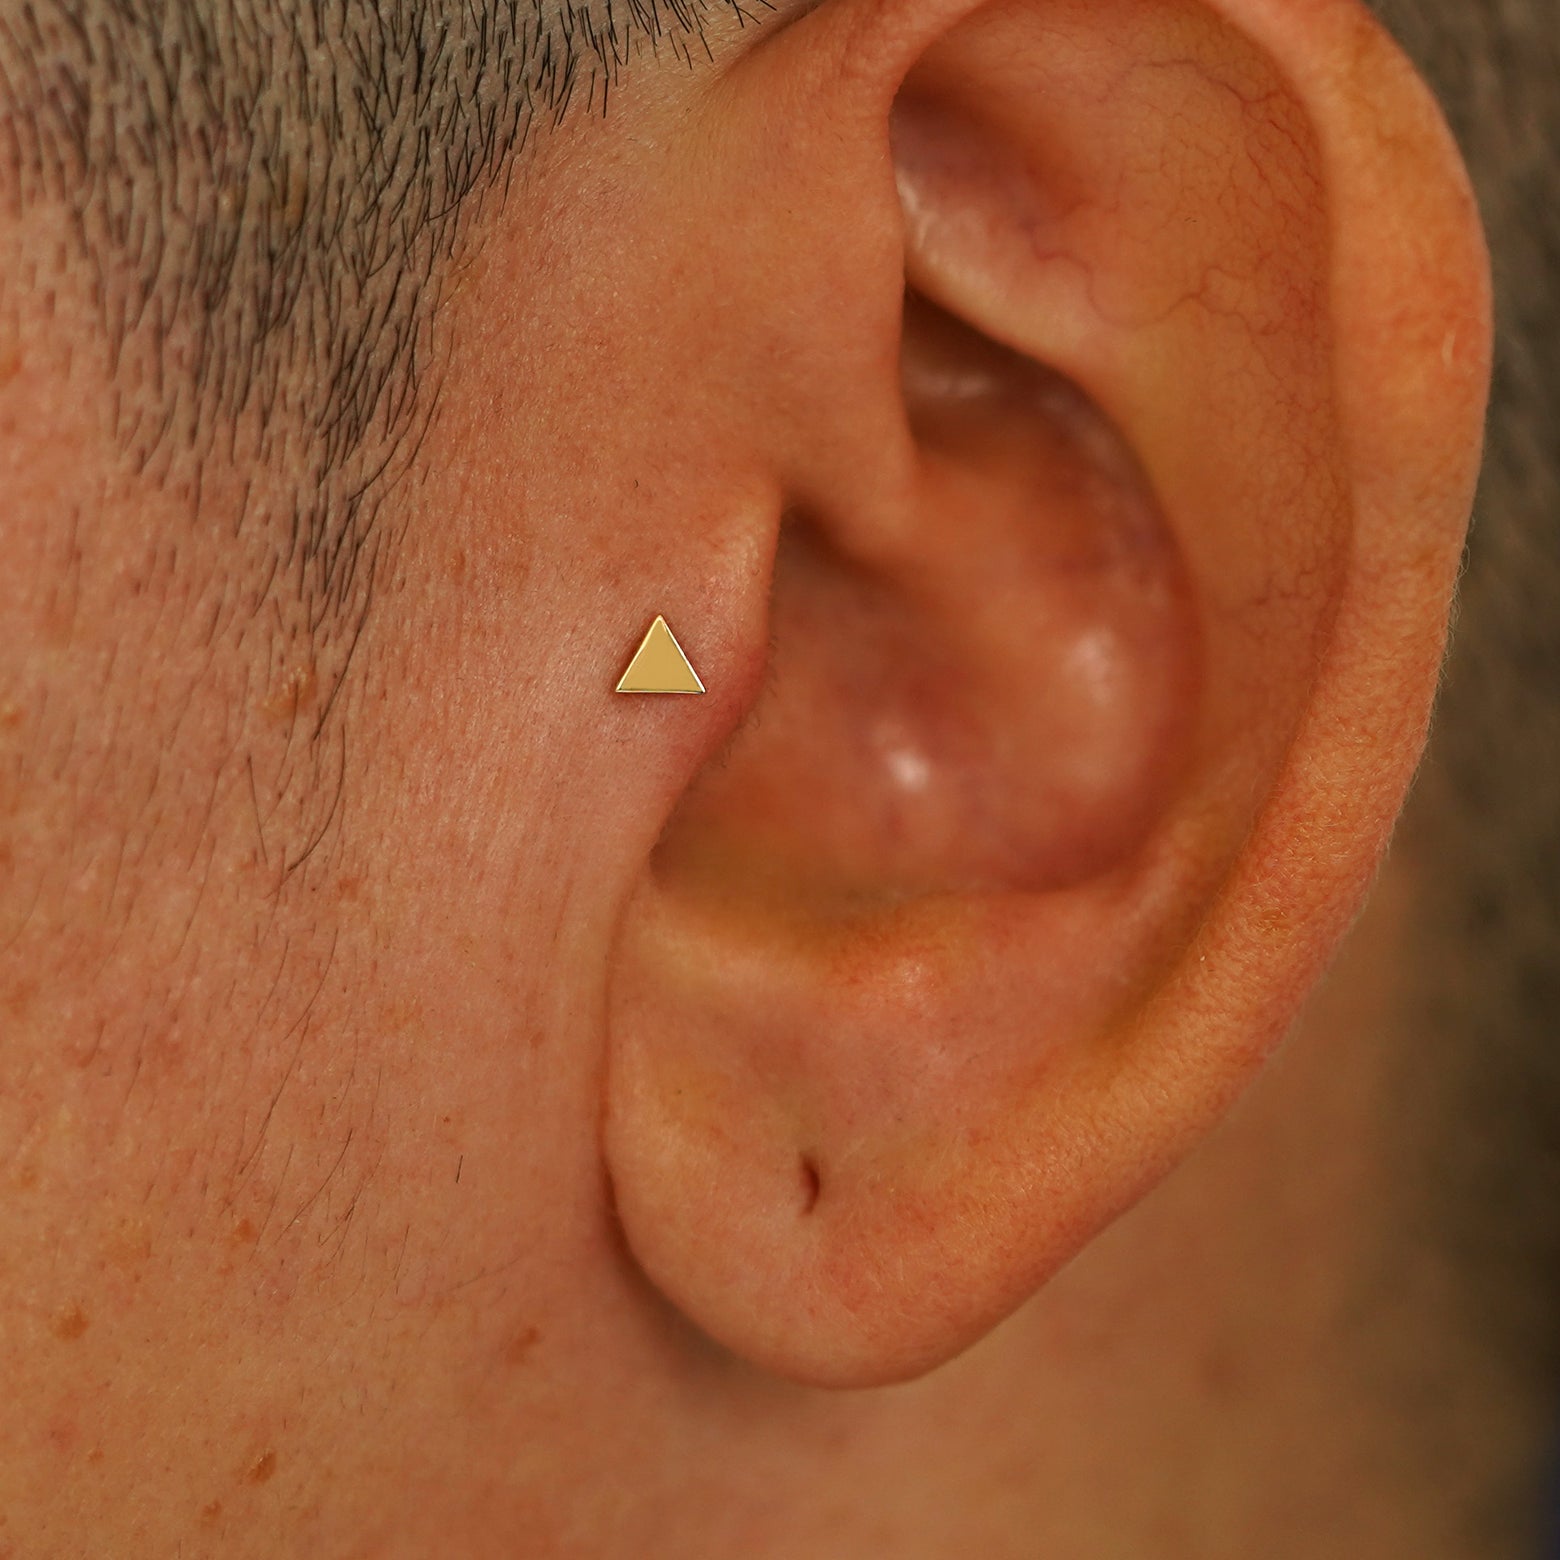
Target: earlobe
x,y
1096,685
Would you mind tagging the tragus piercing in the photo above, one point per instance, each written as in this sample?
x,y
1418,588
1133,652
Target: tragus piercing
x,y
659,665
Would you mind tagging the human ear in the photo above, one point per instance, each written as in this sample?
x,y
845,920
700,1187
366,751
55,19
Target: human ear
x,y
1104,627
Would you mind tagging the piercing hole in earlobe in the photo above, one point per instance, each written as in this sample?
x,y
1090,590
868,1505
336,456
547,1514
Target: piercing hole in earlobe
x,y
812,1183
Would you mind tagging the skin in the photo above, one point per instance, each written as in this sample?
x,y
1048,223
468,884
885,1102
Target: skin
x,y
395,1158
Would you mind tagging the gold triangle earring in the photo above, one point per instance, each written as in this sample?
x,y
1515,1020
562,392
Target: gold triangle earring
x,y
659,665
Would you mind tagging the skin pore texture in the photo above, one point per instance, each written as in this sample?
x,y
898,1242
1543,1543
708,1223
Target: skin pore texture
x,y
871,1108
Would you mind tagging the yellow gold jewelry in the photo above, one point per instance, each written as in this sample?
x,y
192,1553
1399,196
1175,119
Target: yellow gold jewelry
x,y
659,665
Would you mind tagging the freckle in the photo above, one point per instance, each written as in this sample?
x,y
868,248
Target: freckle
x,y
26,1178
21,997
166,1050
261,1468
210,1512
10,715
521,1347
398,1015
69,1324
130,1245
95,1455
244,1234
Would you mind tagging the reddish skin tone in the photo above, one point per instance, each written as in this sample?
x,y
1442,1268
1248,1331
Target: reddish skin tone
x,y
516,1175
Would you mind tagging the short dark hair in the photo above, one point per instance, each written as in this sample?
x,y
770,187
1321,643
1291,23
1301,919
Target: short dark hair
x,y
267,193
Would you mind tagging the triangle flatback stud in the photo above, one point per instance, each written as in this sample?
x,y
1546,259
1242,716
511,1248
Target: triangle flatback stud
x,y
659,666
